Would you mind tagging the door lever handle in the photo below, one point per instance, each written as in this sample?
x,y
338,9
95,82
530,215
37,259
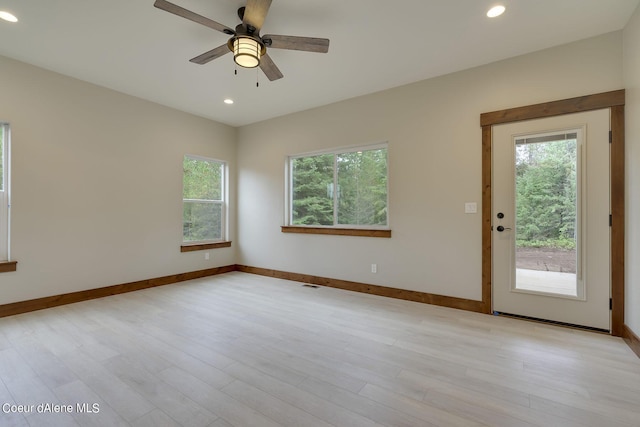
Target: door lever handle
x,y
501,228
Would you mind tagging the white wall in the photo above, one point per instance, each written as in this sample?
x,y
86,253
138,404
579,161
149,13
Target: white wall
x,y
631,43
435,167
97,184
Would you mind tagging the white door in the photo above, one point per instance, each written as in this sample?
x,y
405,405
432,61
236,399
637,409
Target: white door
x,y
551,206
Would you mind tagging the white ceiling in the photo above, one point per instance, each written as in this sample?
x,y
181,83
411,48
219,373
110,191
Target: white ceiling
x,y
132,47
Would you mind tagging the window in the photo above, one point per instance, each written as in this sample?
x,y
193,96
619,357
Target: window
x,y
4,192
342,188
204,200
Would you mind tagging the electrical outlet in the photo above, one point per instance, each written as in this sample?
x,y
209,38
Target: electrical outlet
x,y
374,268
206,255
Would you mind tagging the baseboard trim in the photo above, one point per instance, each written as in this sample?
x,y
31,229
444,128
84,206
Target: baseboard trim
x,y
444,301
73,297
441,300
631,339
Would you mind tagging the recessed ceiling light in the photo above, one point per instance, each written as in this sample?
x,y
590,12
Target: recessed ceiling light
x,y
8,16
228,101
495,11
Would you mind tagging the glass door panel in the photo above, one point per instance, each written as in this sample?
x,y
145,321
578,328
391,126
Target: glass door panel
x,y
547,184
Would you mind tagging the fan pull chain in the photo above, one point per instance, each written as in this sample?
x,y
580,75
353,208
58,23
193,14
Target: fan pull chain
x,y
257,78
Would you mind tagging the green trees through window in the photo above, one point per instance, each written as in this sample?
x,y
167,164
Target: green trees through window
x,y
312,190
203,200
346,188
546,193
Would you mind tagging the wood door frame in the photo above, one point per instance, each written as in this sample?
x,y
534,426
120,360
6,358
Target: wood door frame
x,y
614,101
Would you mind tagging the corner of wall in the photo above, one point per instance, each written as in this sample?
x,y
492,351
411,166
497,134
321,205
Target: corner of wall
x,y
631,75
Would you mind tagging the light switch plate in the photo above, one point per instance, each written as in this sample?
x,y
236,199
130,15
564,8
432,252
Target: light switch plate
x,y
471,207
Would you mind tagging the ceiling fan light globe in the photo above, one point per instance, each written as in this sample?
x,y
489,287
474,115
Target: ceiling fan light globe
x,y
246,52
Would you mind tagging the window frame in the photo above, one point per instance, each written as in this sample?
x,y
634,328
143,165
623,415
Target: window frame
x,y
5,199
193,245
6,264
367,230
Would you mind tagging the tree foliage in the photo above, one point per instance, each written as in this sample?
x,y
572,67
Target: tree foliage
x,y
546,193
362,180
312,198
359,185
203,205
202,179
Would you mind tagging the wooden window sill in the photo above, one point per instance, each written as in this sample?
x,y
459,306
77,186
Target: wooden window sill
x,y
7,266
204,246
338,231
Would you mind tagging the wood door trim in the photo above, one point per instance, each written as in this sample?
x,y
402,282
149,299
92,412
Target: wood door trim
x,y
617,220
614,101
487,201
599,101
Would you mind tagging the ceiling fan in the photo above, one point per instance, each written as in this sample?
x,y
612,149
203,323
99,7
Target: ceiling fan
x,y
248,47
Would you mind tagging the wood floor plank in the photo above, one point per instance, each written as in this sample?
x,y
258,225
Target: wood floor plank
x,y
170,400
331,374
155,418
10,418
228,408
191,345
415,408
570,398
238,350
482,399
155,341
129,404
78,393
584,417
274,367
364,406
220,423
427,381
481,413
356,370
52,420
45,364
272,407
24,385
308,402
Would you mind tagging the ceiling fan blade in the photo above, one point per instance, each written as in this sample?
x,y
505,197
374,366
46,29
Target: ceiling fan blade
x,y
307,44
255,12
211,55
269,68
192,16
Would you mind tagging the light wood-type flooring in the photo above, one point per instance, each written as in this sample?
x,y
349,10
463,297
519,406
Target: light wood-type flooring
x,y
246,350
